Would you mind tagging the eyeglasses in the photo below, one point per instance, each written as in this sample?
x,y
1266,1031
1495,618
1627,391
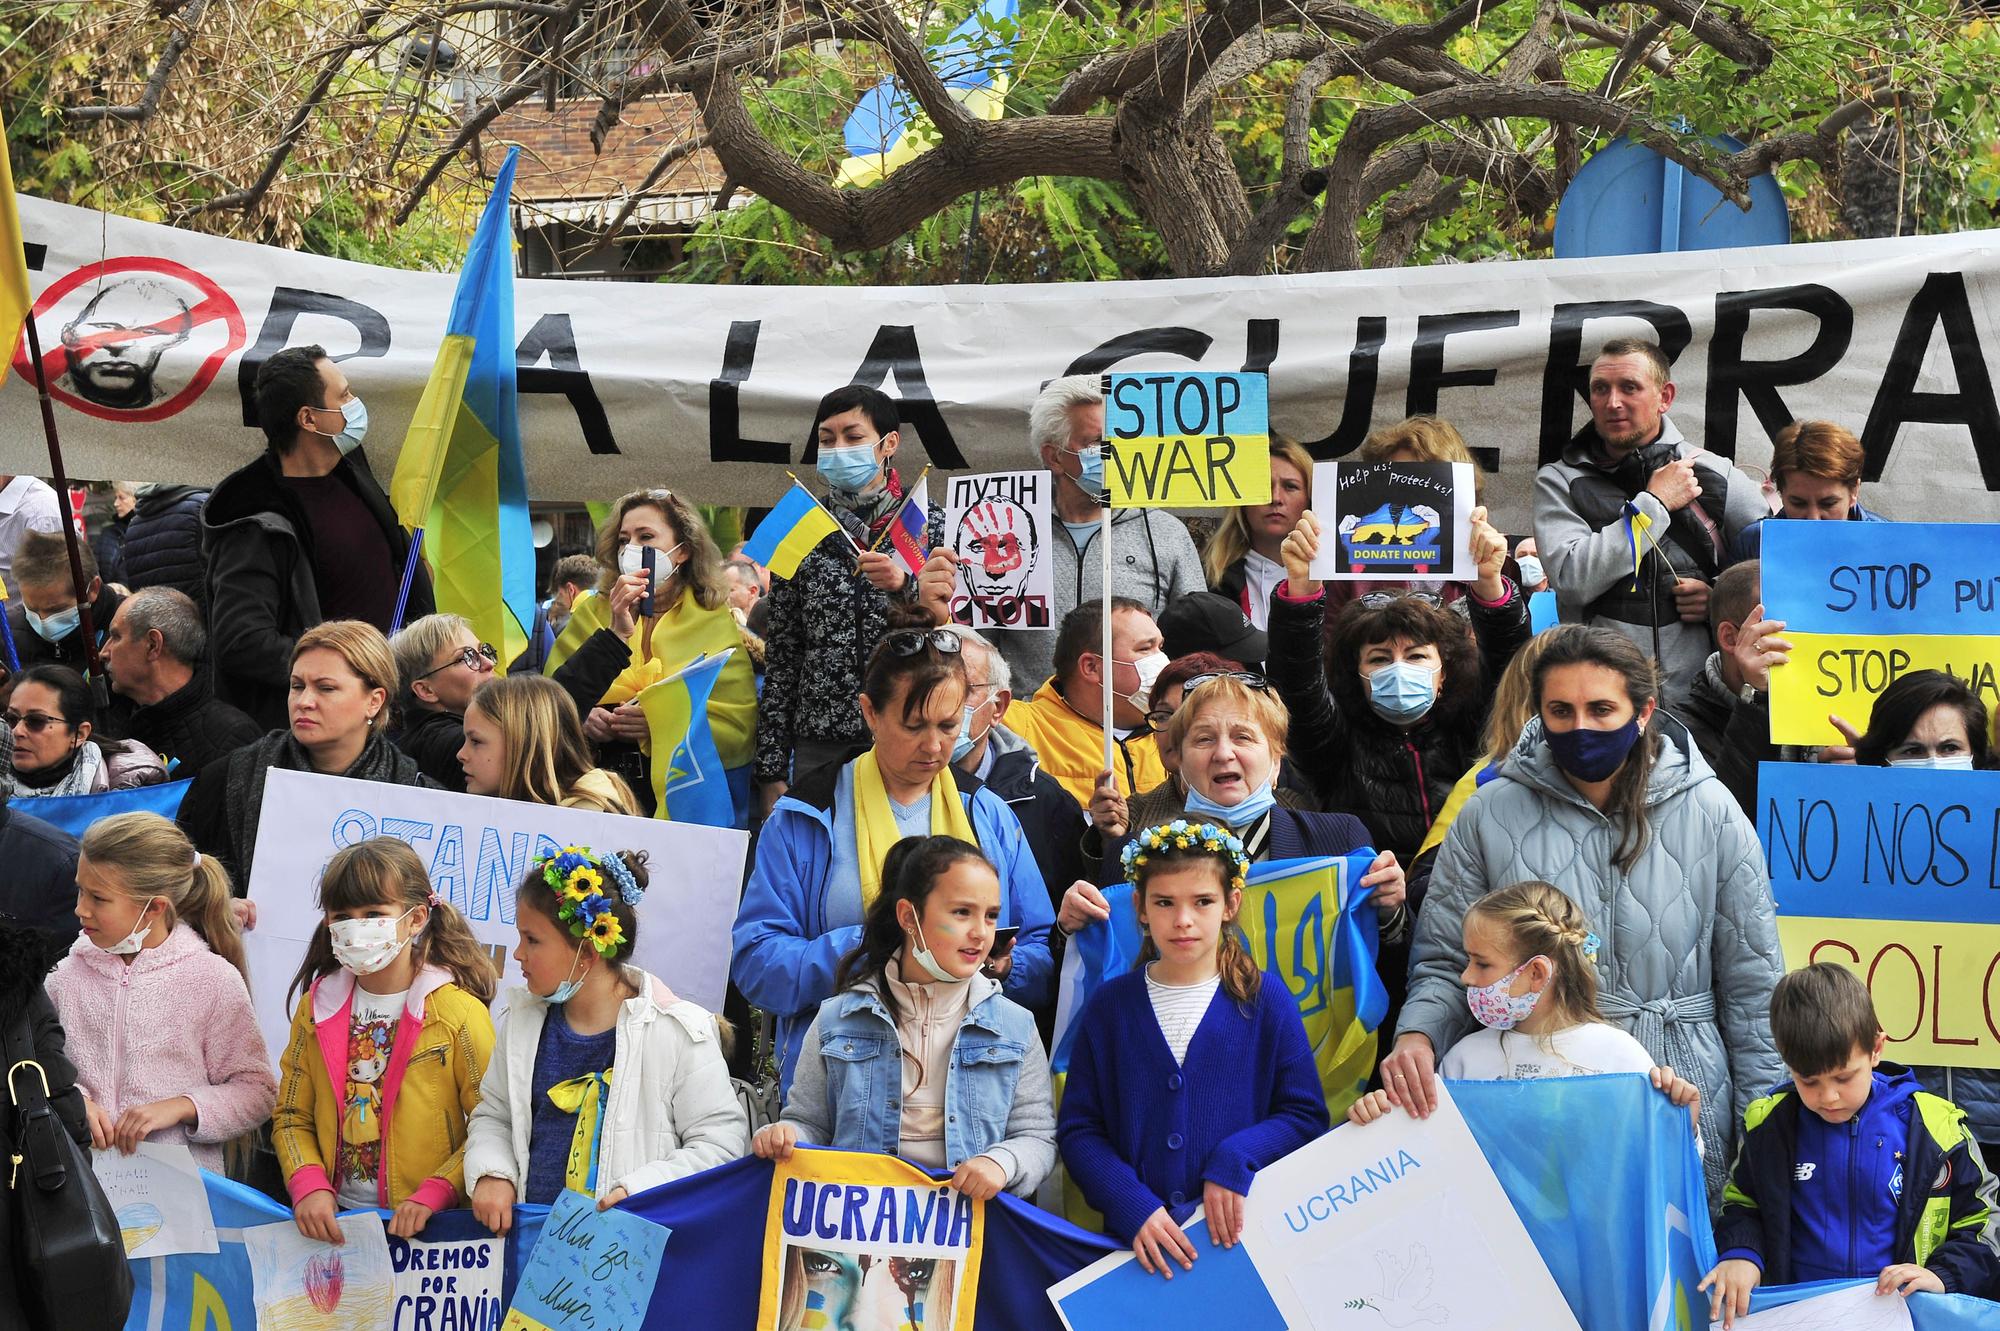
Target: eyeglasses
x,y
36,722
908,642
469,657
1382,600
1157,718
1248,678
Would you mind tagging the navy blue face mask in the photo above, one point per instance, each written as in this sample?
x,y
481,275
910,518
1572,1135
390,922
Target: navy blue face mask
x,y
1592,755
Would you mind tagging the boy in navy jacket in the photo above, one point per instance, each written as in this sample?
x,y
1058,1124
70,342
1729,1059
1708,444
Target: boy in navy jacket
x,y
1852,1171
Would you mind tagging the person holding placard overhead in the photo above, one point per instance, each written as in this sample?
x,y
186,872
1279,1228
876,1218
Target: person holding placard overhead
x,y
823,619
818,865
1634,521
1153,558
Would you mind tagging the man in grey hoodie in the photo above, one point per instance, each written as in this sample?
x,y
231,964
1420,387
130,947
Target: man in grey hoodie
x,y
1631,461
1153,559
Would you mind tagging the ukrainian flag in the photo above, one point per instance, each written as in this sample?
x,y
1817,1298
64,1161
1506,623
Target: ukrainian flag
x,y
460,485
882,132
790,532
689,782
14,299
590,613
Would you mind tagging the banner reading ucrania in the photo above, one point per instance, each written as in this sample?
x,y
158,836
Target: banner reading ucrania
x,y
867,1243
154,336
477,850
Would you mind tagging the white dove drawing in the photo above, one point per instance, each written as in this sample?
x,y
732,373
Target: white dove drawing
x,y
1405,1299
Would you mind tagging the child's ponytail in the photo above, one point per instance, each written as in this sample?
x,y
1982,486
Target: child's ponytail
x,y
1540,920
150,858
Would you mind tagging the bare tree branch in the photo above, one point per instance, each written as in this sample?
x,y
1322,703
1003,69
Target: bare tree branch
x,y
954,124
185,20
626,91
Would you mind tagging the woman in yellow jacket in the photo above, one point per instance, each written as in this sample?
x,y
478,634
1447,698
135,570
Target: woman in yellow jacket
x,y
386,1054
690,619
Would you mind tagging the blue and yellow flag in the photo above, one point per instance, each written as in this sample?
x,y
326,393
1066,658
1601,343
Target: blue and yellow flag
x,y
460,480
587,614
792,529
14,299
887,128
689,782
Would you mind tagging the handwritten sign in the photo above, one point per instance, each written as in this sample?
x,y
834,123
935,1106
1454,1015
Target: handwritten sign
x,y
1393,520
159,1199
1187,440
998,525
442,1284
1867,602
868,1243
591,1270
1896,874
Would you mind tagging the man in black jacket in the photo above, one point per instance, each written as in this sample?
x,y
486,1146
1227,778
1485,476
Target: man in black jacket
x,y
163,541
153,653
301,535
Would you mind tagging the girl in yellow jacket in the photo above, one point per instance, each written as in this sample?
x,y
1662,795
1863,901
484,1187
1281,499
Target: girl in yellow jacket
x,y
383,1066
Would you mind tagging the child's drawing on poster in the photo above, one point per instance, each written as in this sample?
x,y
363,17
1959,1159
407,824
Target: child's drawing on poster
x,y
867,1243
998,526
1393,520
159,1199
302,1284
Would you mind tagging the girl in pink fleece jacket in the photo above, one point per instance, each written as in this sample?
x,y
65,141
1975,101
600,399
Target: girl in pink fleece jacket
x,y
153,996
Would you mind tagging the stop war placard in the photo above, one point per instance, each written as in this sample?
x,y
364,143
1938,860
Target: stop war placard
x,y
1894,872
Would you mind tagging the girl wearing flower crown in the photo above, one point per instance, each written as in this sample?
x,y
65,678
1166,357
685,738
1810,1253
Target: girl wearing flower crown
x,y
603,1082
1531,974
1188,1074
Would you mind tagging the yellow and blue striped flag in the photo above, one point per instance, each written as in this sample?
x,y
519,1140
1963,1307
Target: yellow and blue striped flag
x,y
790,532
460,484
690,784
15,301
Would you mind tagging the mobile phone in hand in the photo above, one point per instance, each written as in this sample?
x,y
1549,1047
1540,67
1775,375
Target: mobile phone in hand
x,y
648,560
1003,942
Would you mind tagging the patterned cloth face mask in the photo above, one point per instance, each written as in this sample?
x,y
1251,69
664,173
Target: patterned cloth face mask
x,y
1498,1010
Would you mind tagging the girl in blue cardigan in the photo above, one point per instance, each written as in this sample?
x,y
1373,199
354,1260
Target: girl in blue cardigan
x,y
1188,1075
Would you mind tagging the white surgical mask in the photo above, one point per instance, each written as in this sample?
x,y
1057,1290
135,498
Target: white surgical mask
x,y
1149,667
928,960
366,946
135,940
632,558
573,982
1937,762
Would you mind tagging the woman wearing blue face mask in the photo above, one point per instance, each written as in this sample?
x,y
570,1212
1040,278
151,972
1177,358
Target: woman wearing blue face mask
x,y
1607,795
827,615
1930,721
1396,714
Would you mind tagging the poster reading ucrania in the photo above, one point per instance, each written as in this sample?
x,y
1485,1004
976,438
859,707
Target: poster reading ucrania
x,y
867,1243
154,336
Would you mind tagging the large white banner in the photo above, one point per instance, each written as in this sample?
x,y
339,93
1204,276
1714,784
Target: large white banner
x,y
477,850
154,335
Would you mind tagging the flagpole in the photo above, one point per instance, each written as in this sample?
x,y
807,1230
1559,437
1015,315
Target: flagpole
x,y
99,694
877,542
409,578
7,634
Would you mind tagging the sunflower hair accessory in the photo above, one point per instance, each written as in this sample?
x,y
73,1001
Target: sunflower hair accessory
x,y
1169,839
629,890
576,876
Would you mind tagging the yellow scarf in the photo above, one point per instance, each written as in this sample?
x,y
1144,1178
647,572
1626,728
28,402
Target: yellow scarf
x,y
685,630
875,823
583,1096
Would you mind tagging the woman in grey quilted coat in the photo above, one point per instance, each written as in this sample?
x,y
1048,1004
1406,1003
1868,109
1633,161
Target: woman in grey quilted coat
x,y
1607,797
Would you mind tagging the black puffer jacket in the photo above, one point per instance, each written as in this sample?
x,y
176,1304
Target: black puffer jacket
x,y
192,727
433,739
39,887
1394,780
163,542
26,957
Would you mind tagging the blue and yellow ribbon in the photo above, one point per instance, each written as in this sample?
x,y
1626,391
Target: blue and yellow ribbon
x,y
1637,525
583,1096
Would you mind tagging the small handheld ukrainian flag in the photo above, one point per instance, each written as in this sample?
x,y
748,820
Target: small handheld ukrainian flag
x,y
689,783
790,532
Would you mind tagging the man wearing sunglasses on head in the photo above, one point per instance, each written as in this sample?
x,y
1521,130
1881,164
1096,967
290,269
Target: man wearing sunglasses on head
x,y
439,662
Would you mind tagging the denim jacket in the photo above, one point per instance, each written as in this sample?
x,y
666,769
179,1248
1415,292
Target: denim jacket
x,y
847,1089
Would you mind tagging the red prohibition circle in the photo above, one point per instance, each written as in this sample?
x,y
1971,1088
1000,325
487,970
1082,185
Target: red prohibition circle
x,y
215,304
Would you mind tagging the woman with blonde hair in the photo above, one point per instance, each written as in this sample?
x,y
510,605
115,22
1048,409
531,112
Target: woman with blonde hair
x,y
1241,560
523,742
689,619
343,676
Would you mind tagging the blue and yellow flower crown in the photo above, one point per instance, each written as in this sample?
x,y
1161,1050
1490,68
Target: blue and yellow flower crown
x,y
1168,839
576,875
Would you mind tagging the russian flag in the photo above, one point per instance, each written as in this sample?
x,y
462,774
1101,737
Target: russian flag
x,y
906,530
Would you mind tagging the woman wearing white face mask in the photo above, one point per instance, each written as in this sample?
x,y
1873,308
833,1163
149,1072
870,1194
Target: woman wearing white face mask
x,y
1930,721
1392,719
618,649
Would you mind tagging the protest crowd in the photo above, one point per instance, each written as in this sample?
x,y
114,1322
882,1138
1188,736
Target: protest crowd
x,y
1560,859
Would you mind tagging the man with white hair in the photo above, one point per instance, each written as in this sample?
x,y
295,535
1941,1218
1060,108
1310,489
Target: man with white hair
x,y
1051,819
1153,559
